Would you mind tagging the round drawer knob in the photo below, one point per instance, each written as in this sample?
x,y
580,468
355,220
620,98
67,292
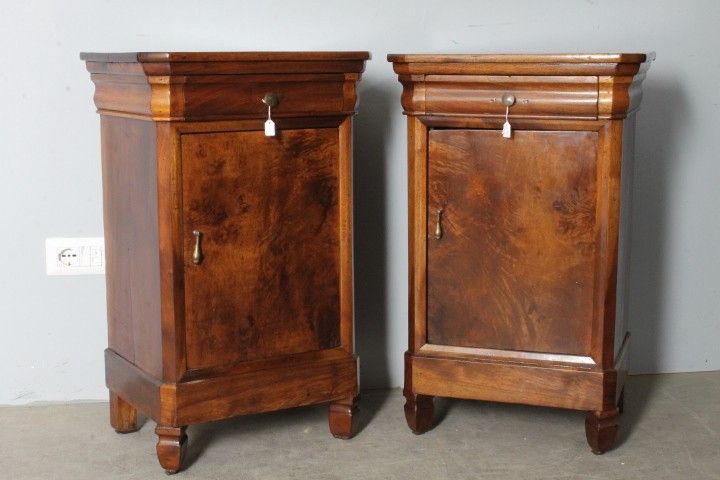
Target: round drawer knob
x,y
508,99
271,99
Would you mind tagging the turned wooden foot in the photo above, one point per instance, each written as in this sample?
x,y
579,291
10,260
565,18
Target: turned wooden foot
x,y
601,430
419,411
123,416
340,417
171,447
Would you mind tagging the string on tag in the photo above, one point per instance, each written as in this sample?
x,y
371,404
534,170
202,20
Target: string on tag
x,y
508,99
271,100
507,128
269,124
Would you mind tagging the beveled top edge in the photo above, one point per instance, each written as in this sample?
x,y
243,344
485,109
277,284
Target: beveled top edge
x,y
523,58
151,57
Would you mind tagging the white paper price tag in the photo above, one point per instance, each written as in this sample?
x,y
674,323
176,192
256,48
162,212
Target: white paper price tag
x,y
507,130
269,128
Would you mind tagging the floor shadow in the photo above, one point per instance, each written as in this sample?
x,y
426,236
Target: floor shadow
x,y
370,232
371,402
202,435
442,408
639,392
657,152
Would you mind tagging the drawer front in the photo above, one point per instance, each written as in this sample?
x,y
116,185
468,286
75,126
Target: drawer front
x,y
261,244
536,97
241,96
514,265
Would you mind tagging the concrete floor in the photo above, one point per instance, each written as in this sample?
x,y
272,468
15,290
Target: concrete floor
x,y
670,430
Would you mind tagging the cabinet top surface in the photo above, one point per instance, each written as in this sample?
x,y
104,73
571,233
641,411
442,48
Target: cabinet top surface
x,y
150,57
524,58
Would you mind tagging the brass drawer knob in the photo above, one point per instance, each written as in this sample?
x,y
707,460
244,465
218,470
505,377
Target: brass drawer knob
x,y
197,251
271,99
438,225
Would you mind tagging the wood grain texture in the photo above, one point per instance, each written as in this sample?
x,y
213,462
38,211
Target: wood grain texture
x,y
513,243
606,64
292,384
607,212
345,219
417,237
536,96
546,86
171,447
268,212
170,242
514,268
578,389
131,238
419,411
123,416
601,430
216,58
261,318
531,58
167,86
134,386
341,414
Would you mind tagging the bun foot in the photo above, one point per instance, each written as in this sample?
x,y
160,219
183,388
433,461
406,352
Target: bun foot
x,y
171,447
123,416
340,417
419,410
601,430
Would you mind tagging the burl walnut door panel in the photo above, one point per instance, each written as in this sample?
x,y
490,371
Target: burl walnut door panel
x,y
267,208
514,267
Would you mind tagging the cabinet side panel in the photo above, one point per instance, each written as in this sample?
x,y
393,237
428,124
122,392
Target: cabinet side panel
x,y
131,240
626,189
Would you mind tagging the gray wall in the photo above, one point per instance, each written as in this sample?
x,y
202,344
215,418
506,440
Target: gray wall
x,y
53,328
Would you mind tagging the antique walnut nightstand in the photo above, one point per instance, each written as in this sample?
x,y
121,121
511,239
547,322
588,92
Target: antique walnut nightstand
x,y
518,165
228,207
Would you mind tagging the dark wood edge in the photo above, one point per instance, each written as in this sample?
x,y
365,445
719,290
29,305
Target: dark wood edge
x,y
523,58
490,121
242,125
133,385
283,385
149,57
345,234
310,383
169,176
284,120
551,386
338,354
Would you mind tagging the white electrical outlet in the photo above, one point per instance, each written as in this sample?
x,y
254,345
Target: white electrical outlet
x,y
75,256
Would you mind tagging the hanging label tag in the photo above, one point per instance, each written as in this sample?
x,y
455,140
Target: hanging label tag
x,y
269,128
507,130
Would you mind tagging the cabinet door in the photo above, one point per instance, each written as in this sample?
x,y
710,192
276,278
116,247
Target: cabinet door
x,y
267,210
514,267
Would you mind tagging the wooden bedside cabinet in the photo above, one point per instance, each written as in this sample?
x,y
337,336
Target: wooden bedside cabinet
x,y
518,249
229,252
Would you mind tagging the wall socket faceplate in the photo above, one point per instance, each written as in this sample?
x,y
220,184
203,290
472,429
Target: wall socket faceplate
x,y
75,256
